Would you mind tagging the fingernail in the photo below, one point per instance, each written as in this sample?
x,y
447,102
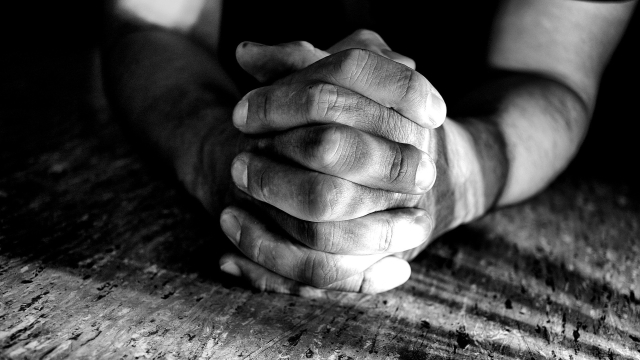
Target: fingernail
x,y
239,173
424,222
437,109
230,225
240,113
426,173
231,268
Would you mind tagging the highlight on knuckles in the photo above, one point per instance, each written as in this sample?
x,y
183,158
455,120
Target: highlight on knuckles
x,y
287,258
353,155
383,232
311,195
325,195
394,85
334,217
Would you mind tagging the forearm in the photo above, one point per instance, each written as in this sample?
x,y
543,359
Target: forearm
x,y
173,96
512,138
543,123
556,52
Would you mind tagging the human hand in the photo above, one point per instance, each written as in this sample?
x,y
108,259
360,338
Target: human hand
x,y
271,63
357,191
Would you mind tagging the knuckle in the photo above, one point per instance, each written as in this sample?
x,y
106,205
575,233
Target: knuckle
x,y
406,130
398,165
304,45
391,125
354,63
254,248
264,103
354,55
366,34
395,200
407,84
319,270
323,102
321,236
262,184
323,192
421,138
386,235
386,123
328,146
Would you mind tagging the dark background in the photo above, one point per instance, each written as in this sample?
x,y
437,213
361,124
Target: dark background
x,y
39,37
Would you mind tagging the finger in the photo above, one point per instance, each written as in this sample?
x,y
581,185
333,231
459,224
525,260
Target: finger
x,y
310,195
411,254
397,57
269,63
370,40
284,257
282,107
386,274
353,155
380,79
384,232
264,280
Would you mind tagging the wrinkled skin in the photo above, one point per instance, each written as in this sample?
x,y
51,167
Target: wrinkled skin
x,y
342,153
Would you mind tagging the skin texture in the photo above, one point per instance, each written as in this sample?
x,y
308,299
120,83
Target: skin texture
x,y
344,165
364,195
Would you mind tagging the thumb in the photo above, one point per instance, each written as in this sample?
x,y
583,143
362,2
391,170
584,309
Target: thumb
x,y
370,40
270,63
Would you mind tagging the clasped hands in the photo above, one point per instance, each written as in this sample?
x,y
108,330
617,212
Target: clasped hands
x,y
339,158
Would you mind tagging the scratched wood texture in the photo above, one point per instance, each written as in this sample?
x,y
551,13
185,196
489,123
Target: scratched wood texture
x,y
103,257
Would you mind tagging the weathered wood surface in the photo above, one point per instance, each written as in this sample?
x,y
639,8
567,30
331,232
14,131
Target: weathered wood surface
x,y
101,257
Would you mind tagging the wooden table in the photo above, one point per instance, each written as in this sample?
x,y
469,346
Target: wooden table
x,y
102,257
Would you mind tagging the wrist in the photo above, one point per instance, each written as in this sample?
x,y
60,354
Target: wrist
x,y
472,164
203,161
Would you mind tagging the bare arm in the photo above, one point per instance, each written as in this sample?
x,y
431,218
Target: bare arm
x,y
503,145
169,88
557,51
506,143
